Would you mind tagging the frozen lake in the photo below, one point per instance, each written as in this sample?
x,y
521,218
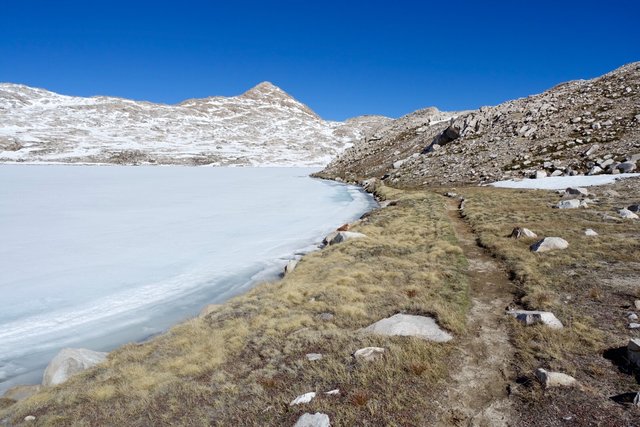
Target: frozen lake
x,y
96,256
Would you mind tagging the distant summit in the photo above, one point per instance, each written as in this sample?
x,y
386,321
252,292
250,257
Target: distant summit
x,y
264,126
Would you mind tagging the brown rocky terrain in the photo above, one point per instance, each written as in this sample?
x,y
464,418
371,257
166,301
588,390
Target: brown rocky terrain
x,y
579,127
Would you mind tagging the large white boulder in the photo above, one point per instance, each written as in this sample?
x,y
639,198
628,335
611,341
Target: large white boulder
x,y
410,325
555,379
342,236
549,244
70,361
313,420
534,317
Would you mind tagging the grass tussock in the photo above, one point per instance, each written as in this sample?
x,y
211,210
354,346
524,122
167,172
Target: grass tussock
x,y
244,362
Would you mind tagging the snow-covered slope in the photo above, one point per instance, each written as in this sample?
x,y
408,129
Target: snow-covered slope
x,y
262,127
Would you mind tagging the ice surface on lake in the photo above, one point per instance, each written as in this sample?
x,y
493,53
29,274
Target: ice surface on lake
x,y
96,256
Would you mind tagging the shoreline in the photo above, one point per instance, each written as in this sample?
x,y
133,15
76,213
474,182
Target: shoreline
x,y
272,272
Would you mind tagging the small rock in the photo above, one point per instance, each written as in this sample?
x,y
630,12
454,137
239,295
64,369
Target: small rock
x,y
632,316
605,163
519,232
398,164
303,398
557,172
333,392
369,354
590,232
626,167
313,420
410,325
634,325
451,194
555,379
291,265
535,317
627,214
313,356
568,204
577,191
636,304
541,174
592,150
596,170
29,418
549,244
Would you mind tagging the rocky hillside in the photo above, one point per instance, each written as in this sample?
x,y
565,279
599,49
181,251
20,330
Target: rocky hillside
x,y
262,127
579,127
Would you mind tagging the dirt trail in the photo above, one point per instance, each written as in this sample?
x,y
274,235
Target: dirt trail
x,y
477,394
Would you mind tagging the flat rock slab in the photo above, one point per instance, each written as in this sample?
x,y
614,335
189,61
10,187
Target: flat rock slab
x,y
535,317
549,244
313,420
410,325
68,362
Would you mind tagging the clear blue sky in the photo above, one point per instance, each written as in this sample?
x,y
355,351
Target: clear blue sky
x,y
341,58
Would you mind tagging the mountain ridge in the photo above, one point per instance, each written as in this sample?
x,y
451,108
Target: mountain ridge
x,y
577,127
263,126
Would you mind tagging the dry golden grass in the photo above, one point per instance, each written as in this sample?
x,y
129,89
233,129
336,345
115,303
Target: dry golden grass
x,y
243,363
571,283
